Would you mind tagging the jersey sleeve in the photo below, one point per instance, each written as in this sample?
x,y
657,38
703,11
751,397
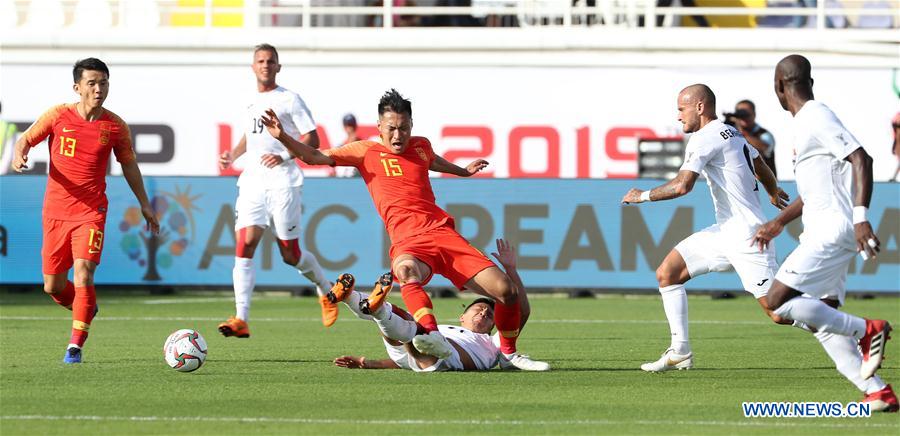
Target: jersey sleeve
x,y
754,153
302,117
123,148
349,155
41,128
697,157
835,137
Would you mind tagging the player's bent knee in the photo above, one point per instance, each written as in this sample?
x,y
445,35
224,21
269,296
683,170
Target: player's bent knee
x,y
54,288
290,258
406,273
505,292
665,276
777,319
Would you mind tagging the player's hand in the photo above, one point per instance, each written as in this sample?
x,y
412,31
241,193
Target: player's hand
x,y
866,239
476,166
351,362
20,162
225,160
633,196
780,199
506,254
272,123
765,234
150,217
271,160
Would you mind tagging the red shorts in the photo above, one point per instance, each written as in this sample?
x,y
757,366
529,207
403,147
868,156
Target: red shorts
x,y
446,252
65,241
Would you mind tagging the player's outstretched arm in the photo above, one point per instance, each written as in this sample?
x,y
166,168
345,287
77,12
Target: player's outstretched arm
x,y
442,165
506,255
682,184
862,184
306,153
133,176
764,174
360,362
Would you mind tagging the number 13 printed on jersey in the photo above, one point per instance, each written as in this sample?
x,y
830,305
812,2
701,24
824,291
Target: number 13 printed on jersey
x,y
67,146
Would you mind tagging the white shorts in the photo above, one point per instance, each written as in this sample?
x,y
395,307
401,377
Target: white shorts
x,y
281,207
404,360
711,250
819,271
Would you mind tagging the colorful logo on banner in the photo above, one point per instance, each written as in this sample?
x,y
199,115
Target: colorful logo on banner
x,y
176,231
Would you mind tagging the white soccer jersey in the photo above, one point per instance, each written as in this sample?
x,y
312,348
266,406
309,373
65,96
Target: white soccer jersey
x,y
824,177
480,347
723,157
296,119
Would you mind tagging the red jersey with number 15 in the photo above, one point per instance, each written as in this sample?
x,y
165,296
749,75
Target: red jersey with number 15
x,y
398,183
79,157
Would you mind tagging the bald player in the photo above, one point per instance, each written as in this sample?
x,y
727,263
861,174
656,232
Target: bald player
x,y
834,185
731,168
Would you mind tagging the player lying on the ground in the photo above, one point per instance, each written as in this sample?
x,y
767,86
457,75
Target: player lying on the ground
x,y
471,347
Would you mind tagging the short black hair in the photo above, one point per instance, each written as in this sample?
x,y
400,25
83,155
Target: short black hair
x,y
90,64
394,102
748,103
484,300
266,47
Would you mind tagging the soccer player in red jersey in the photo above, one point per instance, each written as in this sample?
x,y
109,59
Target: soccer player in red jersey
x,y
81,136
423,238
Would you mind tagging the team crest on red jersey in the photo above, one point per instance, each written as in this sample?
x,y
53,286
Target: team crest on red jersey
x,y
105,131
422,154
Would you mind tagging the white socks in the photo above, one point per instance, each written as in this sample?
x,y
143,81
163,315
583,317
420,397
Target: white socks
x,y
391,325
309,268
352,303
822,317
674,300
244,280
845,353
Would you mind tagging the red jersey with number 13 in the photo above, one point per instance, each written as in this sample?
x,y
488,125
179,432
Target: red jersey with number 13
x,y
79,157
398,183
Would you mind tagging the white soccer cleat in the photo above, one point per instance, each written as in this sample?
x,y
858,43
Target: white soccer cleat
x,y
669,361
433,344
523,362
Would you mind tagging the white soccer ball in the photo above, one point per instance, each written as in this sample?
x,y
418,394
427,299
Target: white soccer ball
x,y
185,350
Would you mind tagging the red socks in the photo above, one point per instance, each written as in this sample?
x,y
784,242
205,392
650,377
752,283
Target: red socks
x,y
65,297
419,305
507,318
83,306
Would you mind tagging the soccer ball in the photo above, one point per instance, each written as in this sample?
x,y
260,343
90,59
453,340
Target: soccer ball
x,y
185,350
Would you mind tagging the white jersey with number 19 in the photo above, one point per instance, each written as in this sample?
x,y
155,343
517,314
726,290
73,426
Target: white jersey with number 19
x,y
723,157
296,120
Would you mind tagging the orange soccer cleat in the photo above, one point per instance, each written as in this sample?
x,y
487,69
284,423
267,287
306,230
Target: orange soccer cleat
x,y
329,311
234,327
379,294
342,288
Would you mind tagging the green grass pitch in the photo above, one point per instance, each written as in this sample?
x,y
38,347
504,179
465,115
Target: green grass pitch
x,y
282,381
